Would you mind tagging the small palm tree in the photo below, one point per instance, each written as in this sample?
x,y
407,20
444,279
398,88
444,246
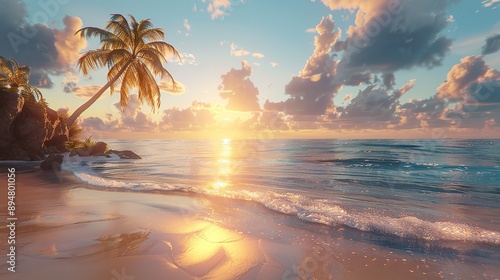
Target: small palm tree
x,y
134,53
17,77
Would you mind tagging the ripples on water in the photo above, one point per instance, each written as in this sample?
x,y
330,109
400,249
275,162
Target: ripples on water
x,y
420,189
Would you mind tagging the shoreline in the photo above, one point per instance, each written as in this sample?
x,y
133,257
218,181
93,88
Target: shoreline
x,y
68,231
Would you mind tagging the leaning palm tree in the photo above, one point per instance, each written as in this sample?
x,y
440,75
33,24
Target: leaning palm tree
x,y
17,78
134,53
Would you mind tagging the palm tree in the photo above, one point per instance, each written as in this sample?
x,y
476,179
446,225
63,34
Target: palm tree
x,y
17,77
134,53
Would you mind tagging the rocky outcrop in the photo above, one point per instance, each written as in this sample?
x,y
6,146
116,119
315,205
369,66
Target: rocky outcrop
x,y
11,105
29,130
57,131
125,154
98,148
26,128
52,162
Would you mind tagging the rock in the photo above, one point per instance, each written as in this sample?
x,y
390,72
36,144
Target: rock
x,y
36,158
125,154
83,152
53,162
73,153
26,128
15,153
11,104
102,155
29,129
98,148
57,131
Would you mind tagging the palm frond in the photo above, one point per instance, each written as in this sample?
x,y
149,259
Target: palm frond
x,y
148,88
164,48
114,72
114,42
13,75
128,82
116,56
88,32
119,26
92,60
152,34
154,60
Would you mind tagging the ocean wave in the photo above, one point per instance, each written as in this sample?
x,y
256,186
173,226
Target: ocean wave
x,y
305,208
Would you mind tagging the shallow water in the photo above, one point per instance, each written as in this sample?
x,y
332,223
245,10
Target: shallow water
x,y
428,196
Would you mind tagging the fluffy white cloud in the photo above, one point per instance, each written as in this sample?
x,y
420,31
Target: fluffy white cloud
x,y
221,8
238,52
198,116
169,87
489,3
258,55
239,90
187,25
472,69
312,90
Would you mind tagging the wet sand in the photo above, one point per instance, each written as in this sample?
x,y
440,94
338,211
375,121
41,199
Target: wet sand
x,y
66,231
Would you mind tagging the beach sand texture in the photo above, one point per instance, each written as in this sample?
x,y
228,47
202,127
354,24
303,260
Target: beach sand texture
x,y
66,231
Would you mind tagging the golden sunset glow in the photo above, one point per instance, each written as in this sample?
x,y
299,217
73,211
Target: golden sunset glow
x,y
224,165
242,139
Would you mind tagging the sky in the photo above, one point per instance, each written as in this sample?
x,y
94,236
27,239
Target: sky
x,y
260,68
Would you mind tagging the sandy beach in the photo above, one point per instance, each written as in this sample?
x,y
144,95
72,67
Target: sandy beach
x,y
67,231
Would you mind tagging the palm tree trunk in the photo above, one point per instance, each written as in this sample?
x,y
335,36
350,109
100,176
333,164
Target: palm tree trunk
x,y
94,98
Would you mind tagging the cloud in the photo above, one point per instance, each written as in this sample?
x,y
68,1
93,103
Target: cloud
x,y
238,52
258,55
472,69
272,121
186,58
187,25
133,119
492,45
427,113
489,3
389,80
273,64
221,8
480,109
91,124
70,82
45,49
305,122
67,44
84,91
239,90
197,117
374,108
169,87
63,111
311,30
312,90
390,35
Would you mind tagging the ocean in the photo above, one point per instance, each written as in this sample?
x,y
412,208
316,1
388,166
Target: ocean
x,y
425,196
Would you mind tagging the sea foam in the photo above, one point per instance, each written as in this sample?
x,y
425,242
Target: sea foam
x,y
303,207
